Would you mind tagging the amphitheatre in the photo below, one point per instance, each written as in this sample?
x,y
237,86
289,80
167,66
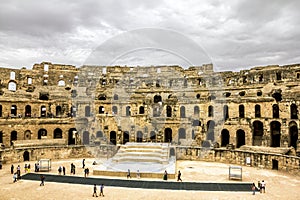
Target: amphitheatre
x,y
151,119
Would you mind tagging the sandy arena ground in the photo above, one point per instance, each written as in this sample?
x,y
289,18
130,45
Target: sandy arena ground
x,y
279,185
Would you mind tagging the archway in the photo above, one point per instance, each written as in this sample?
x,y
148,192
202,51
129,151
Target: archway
x,y
210,130
181,134
125,137
26,156
57,133
13,137
42,133
240,138
43,111
293,133
113,137
58,111
86,138
225,138
13,111
169,111
72,136
168,135
139,136
152,136
182,112
87,111
258,132
275,134
28,111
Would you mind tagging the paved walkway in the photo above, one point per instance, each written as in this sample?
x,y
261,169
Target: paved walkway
x,y
198,186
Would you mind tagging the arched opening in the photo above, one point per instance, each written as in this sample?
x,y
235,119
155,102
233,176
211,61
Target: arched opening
x,y
116,97
87,111
1,137
27,135
26,156
196,122
13,111
113,137
293,133
86,138
27,111
169,111
43,111
141,110
275,133
0,110
101,110
125,137
58,111
157,98
13,137
275,111
182,112
42,133
225,112
57,134
258,132
128,111
210,111
102,97
139,136
61,83
225,138
257,111
172,151
294,111
72,134
196,111
12,86
240,138
241,111
210,131
181,134
115,110
168,135
99,134
152,136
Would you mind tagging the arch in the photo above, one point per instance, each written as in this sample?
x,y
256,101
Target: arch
x,y
240,138
210,130
181,134
139,136
27,111
99,134
115,110
125,137
42,133
27,135
12,86
294,111
241,111
116,97
196,110
13,110
225,112
13,137
196,122
128,111
157,98
101,110
182,112
1,137
86,138
258,132
43,111
169,111
61,83
225,137
26,156
142,110
72,134
293,135
168,135
257,110
152,136
58,111
210,111
275,108
275,133
57,133
87,111
102,97
73,111
0,110
113,137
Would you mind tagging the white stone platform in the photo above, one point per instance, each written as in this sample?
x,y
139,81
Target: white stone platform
x,y
151,159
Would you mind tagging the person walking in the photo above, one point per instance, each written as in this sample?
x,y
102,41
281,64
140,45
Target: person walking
x,y
101,190
165,175
12,169
95,190
15,177
179,176
253,188
64,170
42,180
83,163
263,186
128,174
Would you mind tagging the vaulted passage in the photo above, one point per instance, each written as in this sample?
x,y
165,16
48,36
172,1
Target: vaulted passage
x,y
240,138
258,132
225,138
113,137
139,136
210,131
26,156
125,137
168,135
57,133
275,134
86,138
293,135
72,134
152,136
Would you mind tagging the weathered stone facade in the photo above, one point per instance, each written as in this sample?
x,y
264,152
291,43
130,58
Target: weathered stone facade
x,y
62,105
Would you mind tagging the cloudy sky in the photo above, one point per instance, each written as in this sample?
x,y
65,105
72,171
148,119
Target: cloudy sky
x,y
234,35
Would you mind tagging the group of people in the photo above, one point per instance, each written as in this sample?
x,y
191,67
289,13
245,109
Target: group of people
x,y
261,187
101,188
17,174
61,169
138,175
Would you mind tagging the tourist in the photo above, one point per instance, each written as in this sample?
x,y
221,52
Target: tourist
x,y
138,175
179,176
165,175
128,174
15,177
59,170
25,167
42,180
83,163
95,190
28,168
64,170
101,190
12,169
253,188
262,186
19,172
